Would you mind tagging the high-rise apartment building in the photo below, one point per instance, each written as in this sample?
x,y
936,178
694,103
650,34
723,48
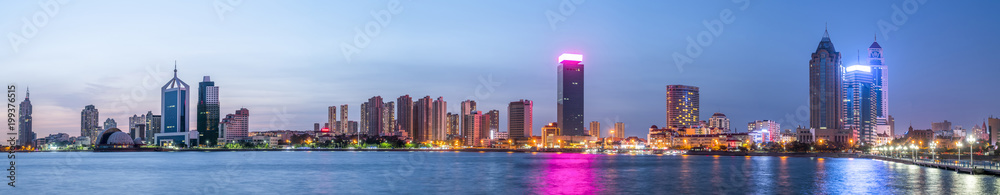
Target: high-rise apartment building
x,y
471,128
388,118
619,130
404,109
331,118
439,119
422,111
489,125
89,127
344,124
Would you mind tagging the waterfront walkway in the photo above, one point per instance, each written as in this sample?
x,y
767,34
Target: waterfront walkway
x,y
981,167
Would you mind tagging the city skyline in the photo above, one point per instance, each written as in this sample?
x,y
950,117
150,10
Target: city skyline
x,y
621,85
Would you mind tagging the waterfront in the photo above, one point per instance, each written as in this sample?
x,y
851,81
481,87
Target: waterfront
x,y
472,172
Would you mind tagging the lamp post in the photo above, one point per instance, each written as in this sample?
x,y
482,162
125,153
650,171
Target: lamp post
x,y
972,142
959,150
933,151
913,147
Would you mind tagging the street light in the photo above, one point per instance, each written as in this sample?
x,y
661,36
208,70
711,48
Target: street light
x,y
959,152
913,147
933,151
972,142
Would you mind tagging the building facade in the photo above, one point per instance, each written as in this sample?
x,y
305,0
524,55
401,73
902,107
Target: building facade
x,y
682,106
208,111
25,135
174,104
770,131
595,129
719,121
570,107
860,99
89,127
519,119
825,80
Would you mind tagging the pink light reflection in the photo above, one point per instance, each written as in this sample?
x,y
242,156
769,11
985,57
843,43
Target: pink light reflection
x,y
569,174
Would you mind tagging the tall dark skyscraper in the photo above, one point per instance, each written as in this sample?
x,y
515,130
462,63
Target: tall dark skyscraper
x,y
570,102
25,136
208,112
825,86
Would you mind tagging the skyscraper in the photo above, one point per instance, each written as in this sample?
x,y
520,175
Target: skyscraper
x,y
490,125
422,131
570,94
344,124
825,86
471,128
363,119
89,127
152,126
682,106
236,126
467,107
519,119
453,125
174,104
374,109
439,119
595,129
331,118
719,121
860,101
619,130
404,109
208,111
992,130
25,135
880,72
388,118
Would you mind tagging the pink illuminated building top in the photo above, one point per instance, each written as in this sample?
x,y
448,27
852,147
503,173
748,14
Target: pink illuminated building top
x,y
570,57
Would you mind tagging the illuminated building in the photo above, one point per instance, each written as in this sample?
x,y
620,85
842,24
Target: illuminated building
x,y
880,74
570,95
489,125
208,111
860,103
453,125
769,131
373,116
519,119
682,106
549,132
152,126
825,86
388,118
719,121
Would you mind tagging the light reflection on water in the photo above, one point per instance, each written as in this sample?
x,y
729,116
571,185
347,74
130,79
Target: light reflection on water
x,y
475,173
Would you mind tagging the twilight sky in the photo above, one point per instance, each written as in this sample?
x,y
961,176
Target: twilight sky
x,y
284,60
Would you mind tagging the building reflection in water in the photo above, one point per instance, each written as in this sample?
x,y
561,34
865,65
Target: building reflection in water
x,y
568,174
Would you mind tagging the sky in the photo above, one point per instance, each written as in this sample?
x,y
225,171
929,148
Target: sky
x,y
286,61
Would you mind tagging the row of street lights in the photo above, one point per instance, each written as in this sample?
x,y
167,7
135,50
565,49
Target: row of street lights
x,y
896,150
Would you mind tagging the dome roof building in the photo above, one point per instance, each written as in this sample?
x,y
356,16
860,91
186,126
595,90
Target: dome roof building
x,y
114,138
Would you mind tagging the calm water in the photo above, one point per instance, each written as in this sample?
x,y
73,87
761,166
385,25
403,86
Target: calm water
x,y
473,173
